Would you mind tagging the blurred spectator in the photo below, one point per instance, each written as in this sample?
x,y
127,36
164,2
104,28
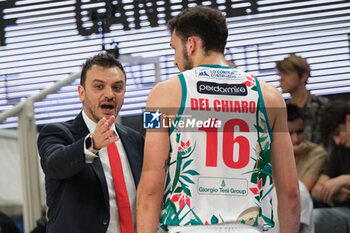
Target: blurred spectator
x,y
306,220
7,225
333,186
294,72
309,157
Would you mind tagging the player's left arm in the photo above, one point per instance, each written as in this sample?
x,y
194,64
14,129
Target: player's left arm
x,y
282,160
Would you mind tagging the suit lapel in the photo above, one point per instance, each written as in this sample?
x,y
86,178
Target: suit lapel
x,y
131,152
97,166
79,131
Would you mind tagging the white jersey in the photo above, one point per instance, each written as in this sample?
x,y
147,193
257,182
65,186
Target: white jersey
x,y
219,170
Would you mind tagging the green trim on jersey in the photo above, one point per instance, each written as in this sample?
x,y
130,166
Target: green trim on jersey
x,y
263,107
183,102
217,66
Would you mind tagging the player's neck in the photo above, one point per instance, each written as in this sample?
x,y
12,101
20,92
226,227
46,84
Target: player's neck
x,y
213,58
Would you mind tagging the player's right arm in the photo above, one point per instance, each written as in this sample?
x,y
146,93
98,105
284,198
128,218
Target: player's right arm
x,y
165,97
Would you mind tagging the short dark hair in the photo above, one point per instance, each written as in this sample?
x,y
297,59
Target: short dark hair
x,y
294,112
332,115
102,59
207,23
294,63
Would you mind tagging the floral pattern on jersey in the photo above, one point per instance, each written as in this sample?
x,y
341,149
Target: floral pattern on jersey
x,y
261,175
178,195
250,80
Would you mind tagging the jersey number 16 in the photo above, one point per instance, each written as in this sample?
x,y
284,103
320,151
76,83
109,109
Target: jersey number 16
x,y
228,142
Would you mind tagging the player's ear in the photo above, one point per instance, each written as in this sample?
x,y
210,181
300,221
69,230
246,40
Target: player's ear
x,y
192,45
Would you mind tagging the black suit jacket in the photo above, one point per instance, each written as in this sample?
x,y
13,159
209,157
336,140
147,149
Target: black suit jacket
x,y
77,193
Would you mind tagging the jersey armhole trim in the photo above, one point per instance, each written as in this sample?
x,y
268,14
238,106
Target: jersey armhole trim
x,y
183,102
263,107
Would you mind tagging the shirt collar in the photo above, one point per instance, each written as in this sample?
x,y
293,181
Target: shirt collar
x,y
92,125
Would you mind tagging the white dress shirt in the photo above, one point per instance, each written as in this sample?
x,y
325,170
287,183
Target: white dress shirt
x,y
113,226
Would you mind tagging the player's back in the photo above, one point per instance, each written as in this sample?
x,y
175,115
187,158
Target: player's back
x,y
220,170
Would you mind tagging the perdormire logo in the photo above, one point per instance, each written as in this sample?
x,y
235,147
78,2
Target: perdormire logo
x,y
221,88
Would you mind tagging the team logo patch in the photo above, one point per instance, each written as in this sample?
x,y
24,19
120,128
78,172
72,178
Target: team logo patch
x,y
151,120
221,74
203,73
212,88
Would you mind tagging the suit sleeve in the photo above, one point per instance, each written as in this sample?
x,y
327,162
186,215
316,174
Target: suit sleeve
x,y
60,155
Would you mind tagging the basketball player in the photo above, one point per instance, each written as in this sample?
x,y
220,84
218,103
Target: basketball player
x,y
223,143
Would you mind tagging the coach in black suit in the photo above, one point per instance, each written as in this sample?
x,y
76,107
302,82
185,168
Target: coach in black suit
x,y
79,184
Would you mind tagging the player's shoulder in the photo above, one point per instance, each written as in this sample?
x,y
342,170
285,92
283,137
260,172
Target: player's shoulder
x,y
164,93
167,83
272,96
166,87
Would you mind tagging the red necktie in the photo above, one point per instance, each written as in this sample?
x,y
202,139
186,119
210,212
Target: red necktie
x,y
125,217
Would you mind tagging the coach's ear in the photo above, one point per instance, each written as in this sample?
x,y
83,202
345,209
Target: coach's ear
x,y
81,91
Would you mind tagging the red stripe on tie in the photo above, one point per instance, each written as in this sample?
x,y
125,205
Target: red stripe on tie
x,y
124,210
